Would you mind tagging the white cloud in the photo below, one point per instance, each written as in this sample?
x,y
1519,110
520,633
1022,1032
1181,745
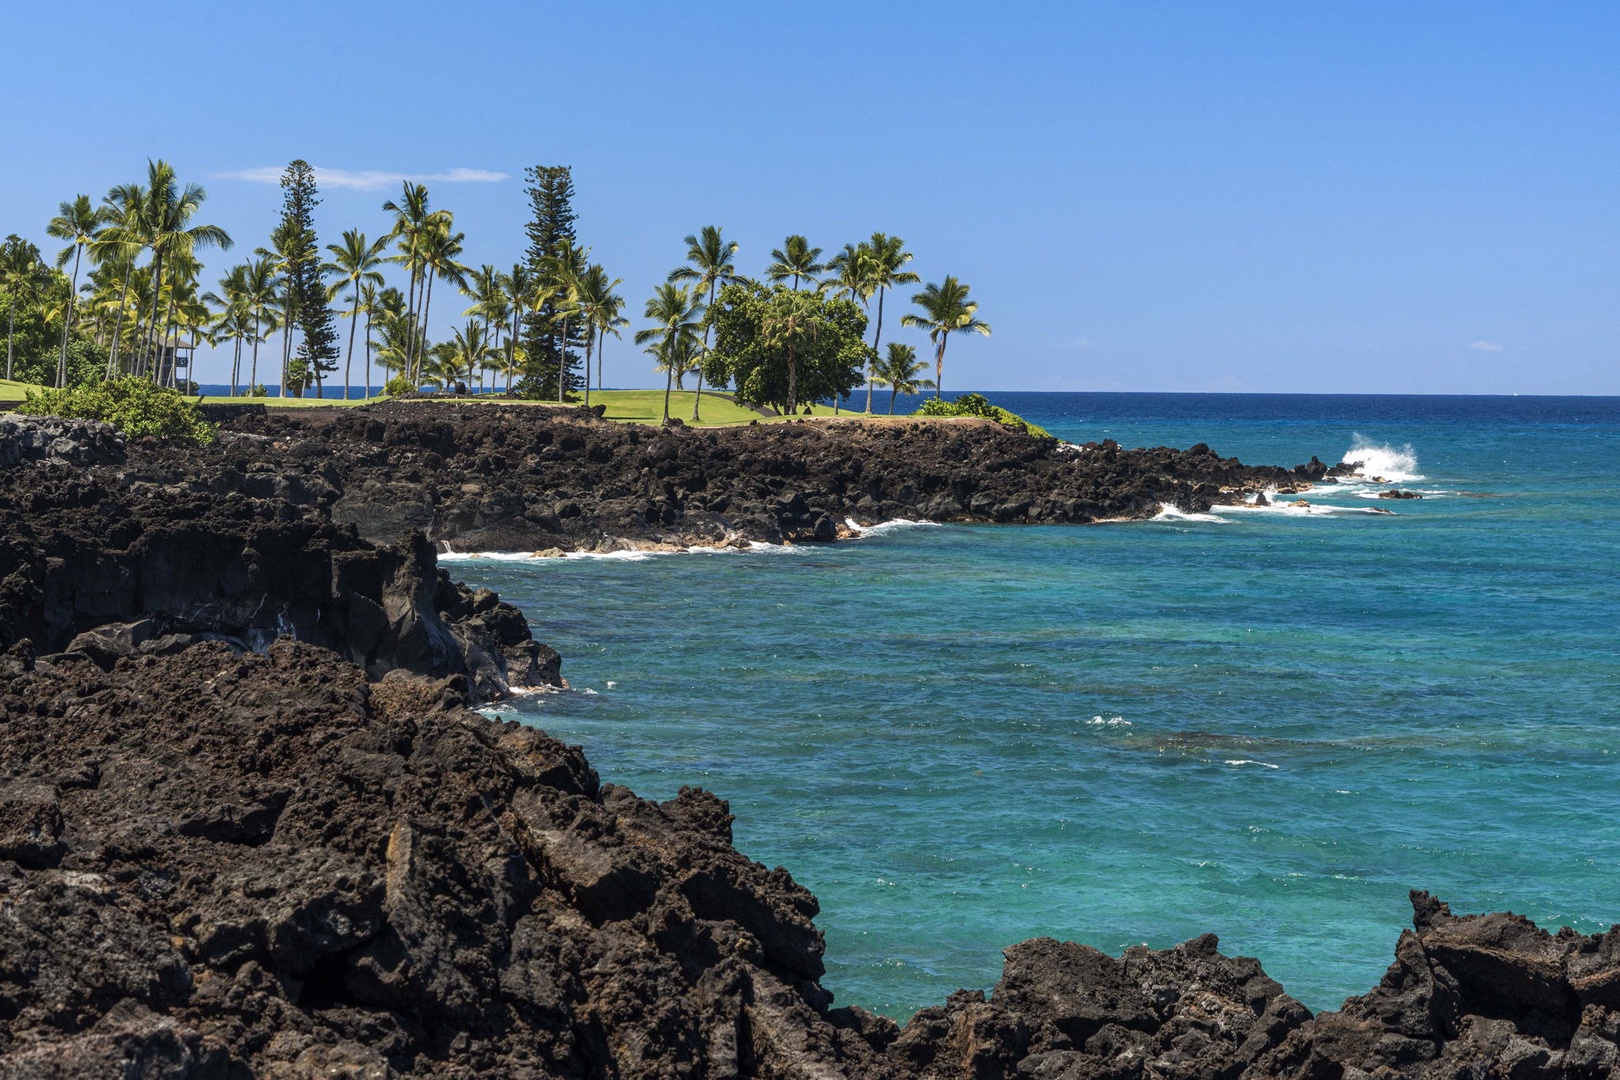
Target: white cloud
x,y
368,179
1486,346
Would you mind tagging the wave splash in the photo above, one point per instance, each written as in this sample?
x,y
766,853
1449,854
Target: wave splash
x,y
1381,460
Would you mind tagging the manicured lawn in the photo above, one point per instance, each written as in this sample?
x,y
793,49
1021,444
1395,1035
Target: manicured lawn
x,y
647,407
281,403
13,391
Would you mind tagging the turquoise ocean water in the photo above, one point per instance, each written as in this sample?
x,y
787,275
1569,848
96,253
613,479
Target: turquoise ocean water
x,y
1269,724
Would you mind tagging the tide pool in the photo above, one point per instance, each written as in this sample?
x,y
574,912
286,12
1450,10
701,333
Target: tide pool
x,y
1266,723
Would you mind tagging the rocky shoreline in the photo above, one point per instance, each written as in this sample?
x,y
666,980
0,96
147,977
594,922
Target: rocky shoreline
x,y
249,826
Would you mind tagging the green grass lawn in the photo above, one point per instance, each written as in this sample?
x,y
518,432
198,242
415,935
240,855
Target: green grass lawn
x,y
281,403
13,391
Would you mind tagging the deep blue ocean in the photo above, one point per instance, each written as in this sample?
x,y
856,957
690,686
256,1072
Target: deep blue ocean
x,y
1266,723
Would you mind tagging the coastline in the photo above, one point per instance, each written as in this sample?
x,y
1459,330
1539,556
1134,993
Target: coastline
x,y
372,974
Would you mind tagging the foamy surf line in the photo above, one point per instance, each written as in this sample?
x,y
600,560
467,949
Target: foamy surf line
x,y
1381,462
861,532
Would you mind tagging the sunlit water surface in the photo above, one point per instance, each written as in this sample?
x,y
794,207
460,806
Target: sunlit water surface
x,y
1268,723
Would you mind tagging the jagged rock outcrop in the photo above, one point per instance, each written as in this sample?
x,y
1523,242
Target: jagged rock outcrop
x,y
26,440
482,477
98,562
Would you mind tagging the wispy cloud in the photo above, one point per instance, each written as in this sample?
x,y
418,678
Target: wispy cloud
x,y
368,179
1486,346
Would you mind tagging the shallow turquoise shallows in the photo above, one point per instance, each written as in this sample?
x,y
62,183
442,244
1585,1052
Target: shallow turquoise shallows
x,y
1266,723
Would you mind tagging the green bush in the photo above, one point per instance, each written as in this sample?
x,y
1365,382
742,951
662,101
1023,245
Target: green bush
x,y
398,385
979,405
133,406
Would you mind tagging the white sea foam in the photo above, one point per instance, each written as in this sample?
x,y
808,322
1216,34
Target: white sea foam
x,y
1170,513
1117,721
1383,461
1252,761
1313,509
864,531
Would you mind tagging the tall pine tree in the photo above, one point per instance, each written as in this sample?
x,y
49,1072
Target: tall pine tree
x,y
318,350
551,229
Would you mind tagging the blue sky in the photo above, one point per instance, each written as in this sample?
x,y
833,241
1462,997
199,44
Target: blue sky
x,y
1367,197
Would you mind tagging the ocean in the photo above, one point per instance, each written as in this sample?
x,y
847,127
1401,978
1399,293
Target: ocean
x,y
1268,723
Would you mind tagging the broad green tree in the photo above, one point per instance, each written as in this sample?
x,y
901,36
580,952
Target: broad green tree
x,y
781,346
355,262
898,371
945,310
709,265
674,312
77,223
795,259
20,276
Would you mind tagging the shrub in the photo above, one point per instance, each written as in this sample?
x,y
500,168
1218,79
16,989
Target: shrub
x,y
398,385
133,406
979,405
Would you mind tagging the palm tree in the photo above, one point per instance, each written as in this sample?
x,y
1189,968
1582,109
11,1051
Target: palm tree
x,y
673,308
709,264
289,245
231,323
855,277
592,296
470,348
519,286
946,310
795,259
259,284
118,243
19,273
77,223
166,225
558,277
412,221
368,304
355,262
488,294
393,321
899,371
888,256
439,248
794,317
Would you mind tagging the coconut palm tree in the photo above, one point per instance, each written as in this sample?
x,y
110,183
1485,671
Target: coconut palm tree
x,y
20,274
795,259
592,297
355,262
558,276
118,243
77,223
259,284
854,277
519,286
439,248
899,371
946,310
412,221
233,321
708,263
166,226
488,294
673,310
889,257
470,348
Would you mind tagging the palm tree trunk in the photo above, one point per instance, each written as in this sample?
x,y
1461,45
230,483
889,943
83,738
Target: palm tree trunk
x,y
253,376
354,324
144,362
236,366
118,323
894,392
169,332
427,304
67,324
590,340
669,374
562,360
11,326
367,395
939,367
793,381
875,337
600,350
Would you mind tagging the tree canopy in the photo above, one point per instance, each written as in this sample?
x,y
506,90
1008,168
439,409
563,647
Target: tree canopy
x,y
781,346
